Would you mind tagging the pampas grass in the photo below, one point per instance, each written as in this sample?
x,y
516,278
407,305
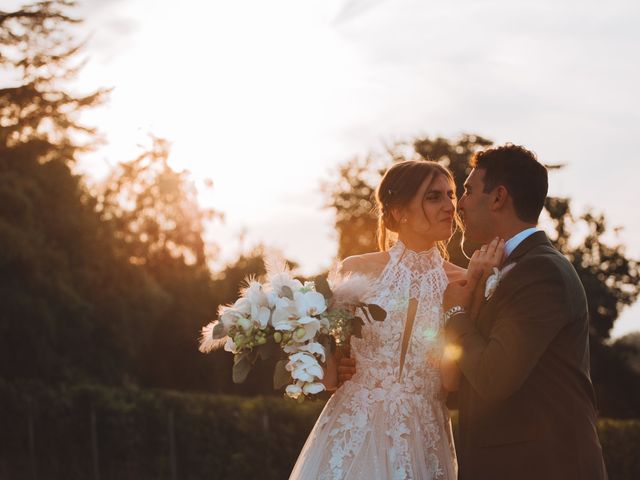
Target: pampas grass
x,y
207,342
348,289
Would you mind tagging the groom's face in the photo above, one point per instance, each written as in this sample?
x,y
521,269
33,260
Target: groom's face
x,y
474,209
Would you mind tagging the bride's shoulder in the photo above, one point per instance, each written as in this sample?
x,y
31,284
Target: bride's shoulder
x,y
367,263
454,272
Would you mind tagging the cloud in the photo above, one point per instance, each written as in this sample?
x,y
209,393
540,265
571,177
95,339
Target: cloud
x,y
111,26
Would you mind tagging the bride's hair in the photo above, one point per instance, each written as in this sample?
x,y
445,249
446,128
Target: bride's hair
x,y
397,188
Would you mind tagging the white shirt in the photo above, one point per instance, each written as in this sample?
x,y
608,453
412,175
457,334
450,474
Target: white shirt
x,y
511,244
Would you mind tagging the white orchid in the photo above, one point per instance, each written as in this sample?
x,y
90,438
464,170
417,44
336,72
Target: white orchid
x,y
300,389
313,388
304,367
242,305
229,316
261,315
230,346
310,303
276,301
294,390
254,292
312,347
307,329
285,318
284,279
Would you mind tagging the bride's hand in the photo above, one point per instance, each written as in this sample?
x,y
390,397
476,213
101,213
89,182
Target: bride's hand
x,y
480,267
485,259
330,378
346,365
339,368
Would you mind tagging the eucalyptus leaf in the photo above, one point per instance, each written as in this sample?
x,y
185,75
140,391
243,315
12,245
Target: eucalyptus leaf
x,y
281,377
322,286
378,313
268,350
241,367
365,312
218,331
287,292
357,323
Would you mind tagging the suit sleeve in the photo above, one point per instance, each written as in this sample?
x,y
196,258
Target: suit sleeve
x,y
497,366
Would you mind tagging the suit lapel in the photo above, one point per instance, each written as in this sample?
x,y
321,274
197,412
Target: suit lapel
x,y
486,313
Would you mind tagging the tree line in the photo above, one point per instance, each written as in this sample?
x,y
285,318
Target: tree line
x,y
110,284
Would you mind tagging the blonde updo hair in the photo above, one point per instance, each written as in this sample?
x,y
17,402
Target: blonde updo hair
x,y
397,188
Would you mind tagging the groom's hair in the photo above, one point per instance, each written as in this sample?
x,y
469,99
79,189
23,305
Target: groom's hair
x,y
518,170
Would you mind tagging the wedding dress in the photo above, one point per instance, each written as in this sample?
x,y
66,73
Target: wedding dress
x,y
390,420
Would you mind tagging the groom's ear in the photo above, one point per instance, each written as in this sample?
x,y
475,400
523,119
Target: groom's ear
x,y
499,198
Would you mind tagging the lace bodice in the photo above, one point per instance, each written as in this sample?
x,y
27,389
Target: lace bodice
x,y
394,400
403,350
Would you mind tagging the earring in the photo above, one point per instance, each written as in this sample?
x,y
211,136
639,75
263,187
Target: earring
x,y
404,220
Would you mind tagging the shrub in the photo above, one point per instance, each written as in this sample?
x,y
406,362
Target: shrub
x,y
126,433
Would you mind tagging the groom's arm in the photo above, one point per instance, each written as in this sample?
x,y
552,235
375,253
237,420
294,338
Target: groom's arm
x,y
497,367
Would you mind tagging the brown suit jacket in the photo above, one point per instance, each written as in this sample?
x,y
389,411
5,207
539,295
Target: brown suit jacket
x,y
527,405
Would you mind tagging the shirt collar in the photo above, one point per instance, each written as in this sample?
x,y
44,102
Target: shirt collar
x,y
511,244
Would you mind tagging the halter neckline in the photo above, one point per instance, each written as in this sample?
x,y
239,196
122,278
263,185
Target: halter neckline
x,y
417,262
400,248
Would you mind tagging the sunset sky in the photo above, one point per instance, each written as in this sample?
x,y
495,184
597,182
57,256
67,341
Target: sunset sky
x,y
267,97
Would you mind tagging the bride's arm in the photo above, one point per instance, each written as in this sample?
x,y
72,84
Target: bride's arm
x,y
449,371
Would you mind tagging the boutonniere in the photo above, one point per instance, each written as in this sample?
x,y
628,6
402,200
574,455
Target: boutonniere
x,y
494,280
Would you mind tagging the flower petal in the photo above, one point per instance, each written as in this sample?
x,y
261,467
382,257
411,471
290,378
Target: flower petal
x,y
314,348
312,388
293,389
263,316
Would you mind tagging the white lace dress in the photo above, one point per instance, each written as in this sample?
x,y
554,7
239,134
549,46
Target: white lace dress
x,y
390,421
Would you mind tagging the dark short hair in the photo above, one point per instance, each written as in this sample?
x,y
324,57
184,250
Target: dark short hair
x,y
518,170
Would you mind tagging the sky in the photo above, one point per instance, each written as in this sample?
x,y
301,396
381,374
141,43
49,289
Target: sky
x,y
266,98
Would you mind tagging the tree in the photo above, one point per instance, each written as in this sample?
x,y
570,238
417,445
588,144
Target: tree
x,y
39,58
629,348
611,280
159,226
351,196
69,304
155,210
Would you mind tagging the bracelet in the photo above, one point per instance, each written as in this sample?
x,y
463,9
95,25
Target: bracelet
x,y
455,310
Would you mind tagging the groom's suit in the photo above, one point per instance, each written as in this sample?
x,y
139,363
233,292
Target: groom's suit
x,y
527,406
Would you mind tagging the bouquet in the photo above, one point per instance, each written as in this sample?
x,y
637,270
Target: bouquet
x,y
301,322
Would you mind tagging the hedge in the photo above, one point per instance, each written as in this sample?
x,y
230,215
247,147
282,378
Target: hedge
x,y
103,433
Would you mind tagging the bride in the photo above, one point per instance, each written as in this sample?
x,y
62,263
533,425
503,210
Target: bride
x,y
390,421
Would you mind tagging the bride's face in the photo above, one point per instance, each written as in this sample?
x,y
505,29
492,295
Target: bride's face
x,y
430,213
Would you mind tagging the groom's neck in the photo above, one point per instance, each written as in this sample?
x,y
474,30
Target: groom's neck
x,y
510,230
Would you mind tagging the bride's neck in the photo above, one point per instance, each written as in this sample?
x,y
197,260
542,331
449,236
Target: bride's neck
x,y
416,244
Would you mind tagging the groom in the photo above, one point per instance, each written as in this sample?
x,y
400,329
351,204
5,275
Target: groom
x,y
527,406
